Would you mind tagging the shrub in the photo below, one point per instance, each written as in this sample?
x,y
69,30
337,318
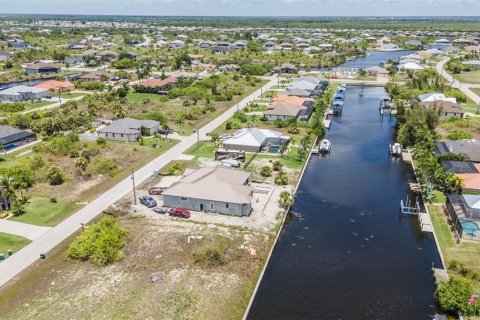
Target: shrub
x,y
174,170
266,171
212,253
286,199
277,165
101,141
101,243
459,135
453,295
281,179
102,165
55,175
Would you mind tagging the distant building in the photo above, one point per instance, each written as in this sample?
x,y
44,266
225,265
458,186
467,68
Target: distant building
x,y
54,86
94,76
19,44
288,68
155,85
42,67
22,93
222,190
446,109
5,55
128,129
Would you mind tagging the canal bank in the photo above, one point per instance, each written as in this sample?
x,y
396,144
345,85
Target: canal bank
x,y
343,251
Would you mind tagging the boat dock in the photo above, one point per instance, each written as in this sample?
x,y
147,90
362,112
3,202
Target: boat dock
x,y
406,156
423,217
327,123
440,275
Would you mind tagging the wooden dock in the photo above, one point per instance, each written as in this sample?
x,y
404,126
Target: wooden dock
x,y
425,222
407,156
327,123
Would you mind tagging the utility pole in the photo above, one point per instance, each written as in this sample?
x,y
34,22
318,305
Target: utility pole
x,y
134,192
478,108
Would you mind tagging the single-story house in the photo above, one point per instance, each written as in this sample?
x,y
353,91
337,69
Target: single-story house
x,y
222,190
469,147
411,66
468,171
155,85
22,93
19,44
128,129
55,86
10,136
376,71
256,140
94,76
473,63
5,55
464,210
388,47
42,67
286,68
435,97
286,110
413,43
446,109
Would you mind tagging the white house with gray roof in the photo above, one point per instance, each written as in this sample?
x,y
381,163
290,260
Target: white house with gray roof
x,y
256,140
22,93
128,129
222,190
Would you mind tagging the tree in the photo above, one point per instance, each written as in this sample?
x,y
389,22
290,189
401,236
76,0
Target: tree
x,y
453,295
281,179
55,175
144,69
266,171
286,200
277,166
22,177
362,74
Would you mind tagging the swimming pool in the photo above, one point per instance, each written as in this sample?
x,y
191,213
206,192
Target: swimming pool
x,y
9,147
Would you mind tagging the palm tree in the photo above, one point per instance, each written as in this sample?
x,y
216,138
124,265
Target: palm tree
x,y
362,74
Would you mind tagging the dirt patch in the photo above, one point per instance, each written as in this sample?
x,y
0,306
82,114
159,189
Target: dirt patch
x,y
187,289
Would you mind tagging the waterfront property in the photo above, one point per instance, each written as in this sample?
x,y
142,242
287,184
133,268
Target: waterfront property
x,y
469,147
11,137
256,140
128,129
222,190
155,85
42,67
286,107
307,87
464,211
55,87
446,109
23,93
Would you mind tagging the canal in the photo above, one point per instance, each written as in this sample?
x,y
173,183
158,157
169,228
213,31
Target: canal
x,y
344,253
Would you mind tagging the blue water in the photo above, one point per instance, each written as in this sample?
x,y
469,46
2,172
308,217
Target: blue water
x,y
374,58
344,252
10,146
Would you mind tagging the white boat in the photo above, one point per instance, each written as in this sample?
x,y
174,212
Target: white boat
x,y
325,146
396,149
231,163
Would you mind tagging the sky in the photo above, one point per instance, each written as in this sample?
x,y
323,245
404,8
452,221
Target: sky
x,y
247,7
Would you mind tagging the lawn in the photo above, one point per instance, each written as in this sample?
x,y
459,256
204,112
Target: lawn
x,y
10,241
206,149
467,253
140,97
476,91
71,95
468,77
41,211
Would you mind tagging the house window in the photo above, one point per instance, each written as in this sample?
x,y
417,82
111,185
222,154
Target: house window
x,y
121,135
183,198
113,135
211,205
106,134
227,205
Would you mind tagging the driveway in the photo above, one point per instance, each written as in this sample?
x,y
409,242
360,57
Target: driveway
x,y
25,230
47,241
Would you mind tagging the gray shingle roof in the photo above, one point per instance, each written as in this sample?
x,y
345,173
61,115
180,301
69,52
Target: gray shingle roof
x,y
128,126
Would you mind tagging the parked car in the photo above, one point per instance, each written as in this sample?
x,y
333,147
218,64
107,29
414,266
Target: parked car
x,y
165,131
148,201
160,210
179,212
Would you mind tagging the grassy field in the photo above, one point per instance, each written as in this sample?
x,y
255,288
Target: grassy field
x,y
467,253
41,211
476,90
191,287
140,97
71,95
468,77
10,241
205,149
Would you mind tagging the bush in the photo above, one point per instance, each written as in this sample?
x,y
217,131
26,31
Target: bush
x,y
266,171
212,253
55,175
286,199
281,179
459,135
102,165
101,141
453,295
174,170
277,165
101,243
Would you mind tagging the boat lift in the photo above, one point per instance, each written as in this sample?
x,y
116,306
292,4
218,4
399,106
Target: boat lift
x,y
408,209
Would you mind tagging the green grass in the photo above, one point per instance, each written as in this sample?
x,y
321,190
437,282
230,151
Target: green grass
x,y
438,197
468,253
476,91
206,149
10,241
41,211
468,77
289,161
139,97
71,95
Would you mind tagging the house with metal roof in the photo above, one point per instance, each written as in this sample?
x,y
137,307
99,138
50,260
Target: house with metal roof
x,y
42,67
128,129
23,93
221,190
256,140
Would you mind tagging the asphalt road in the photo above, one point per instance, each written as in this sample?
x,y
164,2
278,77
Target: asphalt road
x,y
464,87
47,241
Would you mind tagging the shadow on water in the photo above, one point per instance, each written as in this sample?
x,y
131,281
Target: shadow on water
x,y
345,253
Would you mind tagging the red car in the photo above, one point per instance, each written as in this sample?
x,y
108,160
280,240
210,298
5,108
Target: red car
x,y
179,212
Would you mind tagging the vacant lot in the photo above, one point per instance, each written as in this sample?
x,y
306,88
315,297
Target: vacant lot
x,y
468,77
161,277
10,241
